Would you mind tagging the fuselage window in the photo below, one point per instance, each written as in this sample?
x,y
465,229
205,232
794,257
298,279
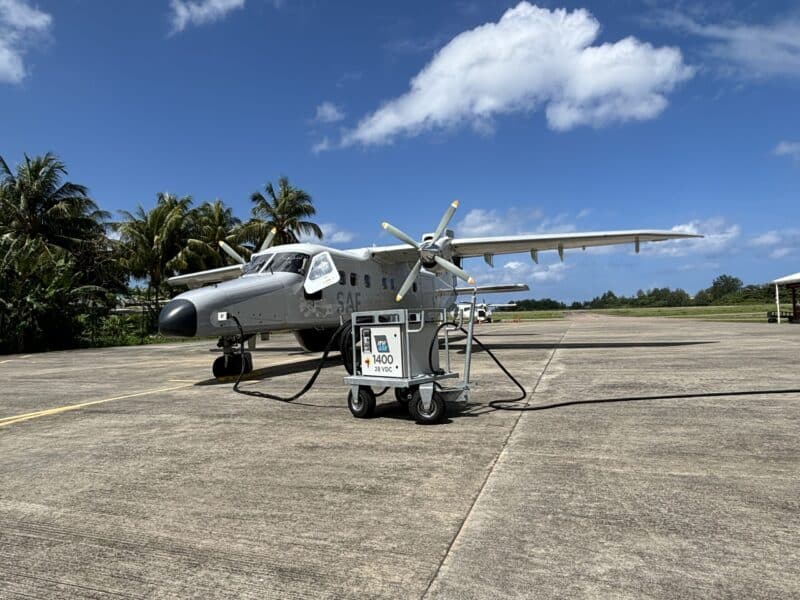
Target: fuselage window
x,y
352,278
391,281
414,287
383,283
367,281
341,277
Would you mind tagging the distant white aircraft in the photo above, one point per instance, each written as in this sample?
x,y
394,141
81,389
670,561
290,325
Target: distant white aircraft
x,y
483,311
310,289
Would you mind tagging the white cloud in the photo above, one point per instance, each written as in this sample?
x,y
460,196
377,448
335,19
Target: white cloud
x,y
200,12
518,271
769,238
531,58
331,234
719,237
480,222
20,24
779,242
790,149
328,112
321,146
761,50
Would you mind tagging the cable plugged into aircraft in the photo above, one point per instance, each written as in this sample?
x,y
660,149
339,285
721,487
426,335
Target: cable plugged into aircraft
x,y
311,289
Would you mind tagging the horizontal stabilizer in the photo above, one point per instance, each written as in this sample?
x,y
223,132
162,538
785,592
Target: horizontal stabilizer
x,y
486,289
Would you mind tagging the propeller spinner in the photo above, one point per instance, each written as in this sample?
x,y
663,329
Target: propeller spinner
x,y
430,252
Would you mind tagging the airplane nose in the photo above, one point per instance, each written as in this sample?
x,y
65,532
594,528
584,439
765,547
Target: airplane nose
x,y
178,317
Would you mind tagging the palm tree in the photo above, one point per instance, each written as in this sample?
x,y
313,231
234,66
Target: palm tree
x,y
155,242
285,211
213,222
36,203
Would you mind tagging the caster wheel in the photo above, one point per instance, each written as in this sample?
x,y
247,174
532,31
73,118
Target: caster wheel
x,y
403,395
362,406
435,412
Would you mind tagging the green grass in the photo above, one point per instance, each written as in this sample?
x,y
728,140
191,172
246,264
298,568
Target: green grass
x,y
740,313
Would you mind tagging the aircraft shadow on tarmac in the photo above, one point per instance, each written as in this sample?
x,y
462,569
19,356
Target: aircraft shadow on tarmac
x,y
577,345
279,370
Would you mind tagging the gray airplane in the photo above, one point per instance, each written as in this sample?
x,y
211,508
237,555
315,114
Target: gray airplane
x,y
311,289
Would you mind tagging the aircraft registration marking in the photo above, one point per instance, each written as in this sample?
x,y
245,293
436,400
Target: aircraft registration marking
x,y
54,411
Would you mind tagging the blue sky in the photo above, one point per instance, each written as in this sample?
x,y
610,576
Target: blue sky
x,y
566,116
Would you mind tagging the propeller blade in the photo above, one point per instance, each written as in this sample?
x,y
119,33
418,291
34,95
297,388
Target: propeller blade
x,y
232,253
412,277
448,266
268,241
400,235
448,214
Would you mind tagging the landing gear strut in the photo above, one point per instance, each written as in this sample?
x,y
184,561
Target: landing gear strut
x,y
230,363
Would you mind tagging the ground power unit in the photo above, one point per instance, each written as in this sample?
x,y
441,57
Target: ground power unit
x,y
400,349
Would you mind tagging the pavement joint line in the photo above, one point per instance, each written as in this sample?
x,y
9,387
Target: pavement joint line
x,y
493,465
54,411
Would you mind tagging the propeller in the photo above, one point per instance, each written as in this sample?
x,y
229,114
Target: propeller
x,y
430,252
232,253
268,240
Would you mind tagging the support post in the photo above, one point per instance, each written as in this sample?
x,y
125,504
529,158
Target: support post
x,y
794,304
778,303
468,357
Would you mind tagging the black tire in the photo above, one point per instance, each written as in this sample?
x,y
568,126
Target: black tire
x,y
417,411
346,349
363,406
234,366
403,395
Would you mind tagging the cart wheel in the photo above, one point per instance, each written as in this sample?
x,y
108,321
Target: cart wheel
x,y
426,417
404,395
363,405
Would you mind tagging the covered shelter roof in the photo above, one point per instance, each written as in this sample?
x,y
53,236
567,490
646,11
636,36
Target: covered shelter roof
x,y
787,279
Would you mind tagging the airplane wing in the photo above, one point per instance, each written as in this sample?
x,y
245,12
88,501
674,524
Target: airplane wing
x,y
510,244
200,278
557,241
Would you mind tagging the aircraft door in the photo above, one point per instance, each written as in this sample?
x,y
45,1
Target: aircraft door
x,y
321,274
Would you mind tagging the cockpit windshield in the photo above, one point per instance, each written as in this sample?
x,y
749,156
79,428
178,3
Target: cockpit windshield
x,y
277,262
255,264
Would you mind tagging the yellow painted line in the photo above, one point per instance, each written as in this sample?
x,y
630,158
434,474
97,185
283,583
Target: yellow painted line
x,y
54,411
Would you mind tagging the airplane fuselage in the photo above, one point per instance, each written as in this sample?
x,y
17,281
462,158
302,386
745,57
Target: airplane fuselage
x,y
272,296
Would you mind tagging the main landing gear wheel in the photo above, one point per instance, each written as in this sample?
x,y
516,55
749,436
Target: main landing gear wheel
x,y
232,366
363,404
434,414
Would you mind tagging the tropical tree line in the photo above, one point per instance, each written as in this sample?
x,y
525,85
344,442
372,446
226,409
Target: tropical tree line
x,y
724,290
67,266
